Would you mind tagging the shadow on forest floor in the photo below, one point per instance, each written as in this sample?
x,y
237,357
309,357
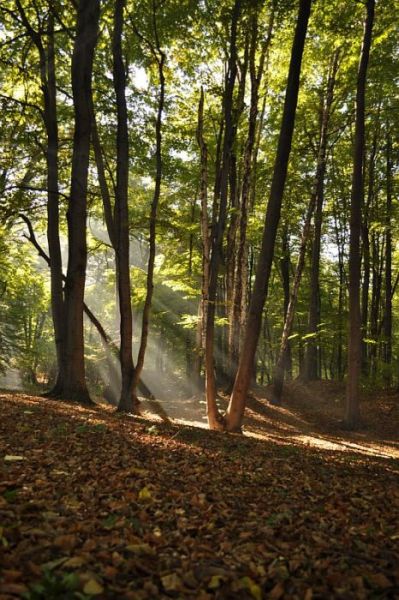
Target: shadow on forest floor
x,y
310,415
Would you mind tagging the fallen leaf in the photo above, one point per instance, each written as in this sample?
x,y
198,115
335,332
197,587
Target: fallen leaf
x,y
93,588
171,582
145,494
13,458
253,588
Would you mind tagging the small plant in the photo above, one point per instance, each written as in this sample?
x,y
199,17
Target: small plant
x,y
55,587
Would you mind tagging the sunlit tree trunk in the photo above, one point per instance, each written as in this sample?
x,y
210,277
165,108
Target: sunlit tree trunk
x,y
237,402
82,65
354,342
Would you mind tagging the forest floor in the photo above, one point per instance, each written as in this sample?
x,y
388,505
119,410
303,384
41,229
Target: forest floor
x,y
98,505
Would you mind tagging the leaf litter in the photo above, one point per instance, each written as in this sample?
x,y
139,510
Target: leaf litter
x,y
100,507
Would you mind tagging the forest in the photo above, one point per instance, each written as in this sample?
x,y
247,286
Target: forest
x,y
198,229
217,205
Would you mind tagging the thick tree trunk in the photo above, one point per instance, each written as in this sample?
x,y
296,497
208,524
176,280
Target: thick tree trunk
x,y
237,402
354,342
312,366
82,65
214,420
121,213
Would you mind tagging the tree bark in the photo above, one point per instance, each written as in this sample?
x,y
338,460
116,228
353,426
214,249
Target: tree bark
x,y
285,267
205,239
242,254
49,90
388,266
160,58
82,66
312,366
214,419
121,213
365,236
279,371
237,402
354,342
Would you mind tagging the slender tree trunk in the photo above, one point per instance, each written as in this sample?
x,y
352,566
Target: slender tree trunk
x,y
49,89
312,367
341,296
285,265
205,240
365,234
82,65
388,266
53,235
121,213
160,58
365,292
279,372
375,305
354,342
214,420
240,281
237,402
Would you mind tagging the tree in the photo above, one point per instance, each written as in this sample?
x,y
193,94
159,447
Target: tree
x,y
219,222
235,410
121,213
354,341
88,12
48,86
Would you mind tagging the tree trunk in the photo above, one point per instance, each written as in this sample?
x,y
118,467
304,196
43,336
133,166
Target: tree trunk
x,y
388,267
205,240
365,234
285,265
214,420
237,402
240,280
82,65
279,371
121,213
365,292
49,89
354,341
312,367
160,58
